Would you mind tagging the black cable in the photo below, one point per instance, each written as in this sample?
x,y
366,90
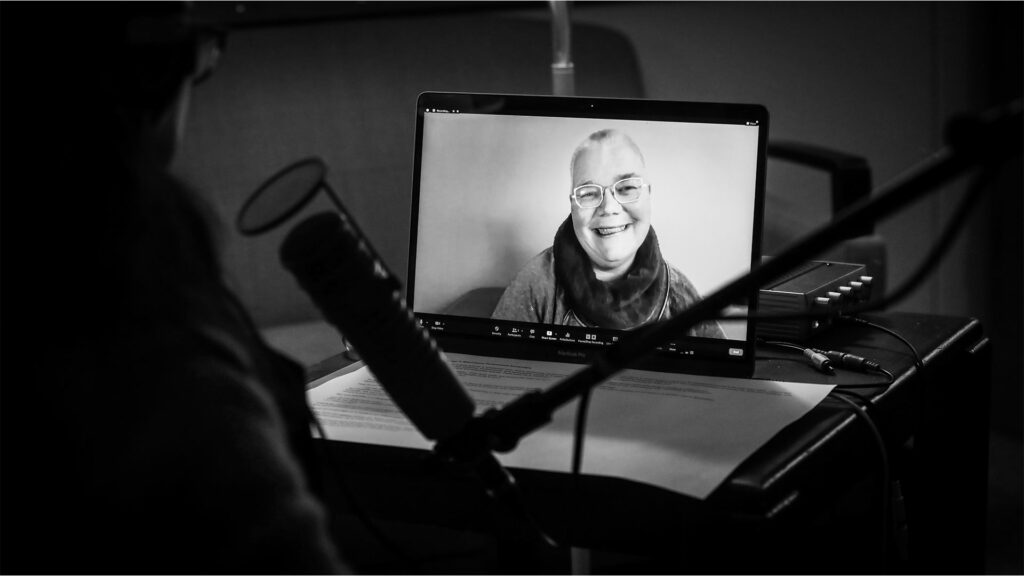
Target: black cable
x,y
887,373
837,386
842,392
865,400
827,360
579,435
782,344
887,383
860,411
781,358
869,385
819,361
917,356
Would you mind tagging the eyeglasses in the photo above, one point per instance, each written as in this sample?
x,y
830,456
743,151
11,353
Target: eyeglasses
x,y
624,191
210,44
203,45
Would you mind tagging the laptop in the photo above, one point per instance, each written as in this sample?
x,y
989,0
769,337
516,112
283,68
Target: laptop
x,y
545,228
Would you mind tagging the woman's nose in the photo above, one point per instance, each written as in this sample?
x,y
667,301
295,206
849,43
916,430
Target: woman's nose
x,y
609,205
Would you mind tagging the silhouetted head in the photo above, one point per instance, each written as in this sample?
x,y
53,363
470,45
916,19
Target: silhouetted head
x,y
96,106
122,70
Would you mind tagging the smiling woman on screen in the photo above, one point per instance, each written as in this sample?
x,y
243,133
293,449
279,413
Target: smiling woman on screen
x,y
604,268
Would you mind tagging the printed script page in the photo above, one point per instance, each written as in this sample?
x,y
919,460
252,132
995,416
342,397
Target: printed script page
x,y
681,432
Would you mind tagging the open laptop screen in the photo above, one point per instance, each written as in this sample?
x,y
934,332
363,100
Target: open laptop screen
x,y
545,227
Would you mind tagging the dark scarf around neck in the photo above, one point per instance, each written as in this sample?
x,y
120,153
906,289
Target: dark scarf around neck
x,y
634,299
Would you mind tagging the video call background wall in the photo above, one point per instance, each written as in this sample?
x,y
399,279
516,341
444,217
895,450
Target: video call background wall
x,y
495,188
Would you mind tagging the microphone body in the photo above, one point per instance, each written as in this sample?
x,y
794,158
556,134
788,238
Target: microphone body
x,y
337,267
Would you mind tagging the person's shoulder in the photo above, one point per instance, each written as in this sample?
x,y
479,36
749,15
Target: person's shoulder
x,y
525,296
544,259
683,294
680,284
207,371
536,269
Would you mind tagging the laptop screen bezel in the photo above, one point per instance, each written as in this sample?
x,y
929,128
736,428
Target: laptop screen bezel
x,y
605,108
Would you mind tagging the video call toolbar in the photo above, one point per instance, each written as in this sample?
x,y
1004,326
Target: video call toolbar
x,y
573,335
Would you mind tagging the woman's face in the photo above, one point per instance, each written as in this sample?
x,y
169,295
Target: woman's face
x,y
610,232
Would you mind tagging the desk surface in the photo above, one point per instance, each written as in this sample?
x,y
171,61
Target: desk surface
x,y
786,482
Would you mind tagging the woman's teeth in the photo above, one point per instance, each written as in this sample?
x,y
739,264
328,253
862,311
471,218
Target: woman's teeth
x,y
609,231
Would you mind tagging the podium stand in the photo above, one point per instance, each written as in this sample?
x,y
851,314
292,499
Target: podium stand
x,y
809,500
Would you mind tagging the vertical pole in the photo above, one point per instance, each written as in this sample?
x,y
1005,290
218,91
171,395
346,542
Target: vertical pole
x,y
563,83
562,78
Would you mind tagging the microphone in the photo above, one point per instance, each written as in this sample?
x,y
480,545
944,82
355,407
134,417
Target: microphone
x,y
337,267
